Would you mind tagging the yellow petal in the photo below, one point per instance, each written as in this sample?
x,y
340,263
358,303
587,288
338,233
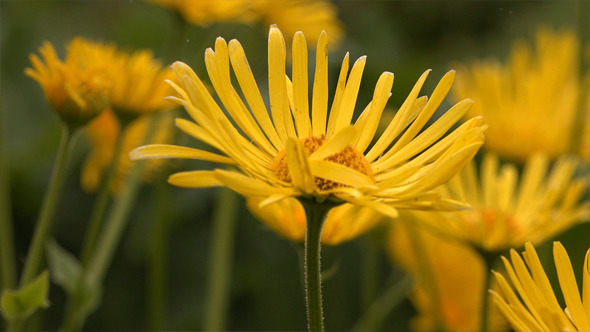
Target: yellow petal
x,y
340,87
252,93
277,88
246,185
370,123
340,173
337,143
319,104
194,179
158,151
299,168
342,116
569,287
300,86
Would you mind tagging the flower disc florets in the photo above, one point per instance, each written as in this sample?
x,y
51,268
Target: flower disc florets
x,y
350,157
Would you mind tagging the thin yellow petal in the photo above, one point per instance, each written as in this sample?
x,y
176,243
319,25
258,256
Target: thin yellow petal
x,y
277,87
319,104
299,168
194,179
252,93
246,185
569,287
158,151
342,116
400,121
371,121
337,143
586,284
340,87
300,86
340,173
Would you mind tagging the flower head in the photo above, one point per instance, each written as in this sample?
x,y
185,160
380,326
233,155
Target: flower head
x,y
530,304
309,16
531,102
287,218
507,212
304,152
139,83
77,88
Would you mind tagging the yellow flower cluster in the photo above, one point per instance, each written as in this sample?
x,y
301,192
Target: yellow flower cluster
x,y
78,87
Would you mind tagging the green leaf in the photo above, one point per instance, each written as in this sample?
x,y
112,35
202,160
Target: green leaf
x,y
20,303
65,268
67,272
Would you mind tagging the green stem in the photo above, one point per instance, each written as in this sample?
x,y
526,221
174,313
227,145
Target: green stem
x,y
44,223
580,116
157,259
7,261
224,224
100,204
315,214
109,238
489,259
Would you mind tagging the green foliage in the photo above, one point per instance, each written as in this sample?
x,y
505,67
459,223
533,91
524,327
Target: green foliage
x,y
21,303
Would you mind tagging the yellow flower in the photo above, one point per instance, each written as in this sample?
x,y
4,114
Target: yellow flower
x,y
309,16
507,212
77,88
287,218
139,83
531,102
449,280
533,306
207,12
320,156
103,134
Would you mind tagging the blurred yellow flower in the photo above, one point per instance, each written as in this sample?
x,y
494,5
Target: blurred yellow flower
x,y
533,306
449,280
103,134
138,87
310,16
296,154
531,102
508,212
139,83
76,88
287,218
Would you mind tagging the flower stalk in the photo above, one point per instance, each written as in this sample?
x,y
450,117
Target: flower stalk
x,y
315,214
44,223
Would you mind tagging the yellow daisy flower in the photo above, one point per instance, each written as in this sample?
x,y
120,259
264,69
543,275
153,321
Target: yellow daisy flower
x,y
139,83
530,304
76,88
310,16
320,156
531,102
103,134
449,280
507,212
287,218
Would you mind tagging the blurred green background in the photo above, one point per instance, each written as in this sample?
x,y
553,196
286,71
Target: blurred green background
x,y
404,37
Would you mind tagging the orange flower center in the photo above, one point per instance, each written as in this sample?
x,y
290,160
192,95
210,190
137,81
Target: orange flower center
x,y
349,157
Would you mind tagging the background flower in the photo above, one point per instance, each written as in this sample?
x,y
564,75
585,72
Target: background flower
x,y
531,102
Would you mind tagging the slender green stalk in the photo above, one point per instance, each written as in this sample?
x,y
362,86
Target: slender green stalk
x,y
383,305
100,204
157,259
315,214
369,269
489,259
220,262
582,107
109,238
7,261
44,223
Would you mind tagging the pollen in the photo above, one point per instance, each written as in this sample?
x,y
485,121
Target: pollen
x,y
350,157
